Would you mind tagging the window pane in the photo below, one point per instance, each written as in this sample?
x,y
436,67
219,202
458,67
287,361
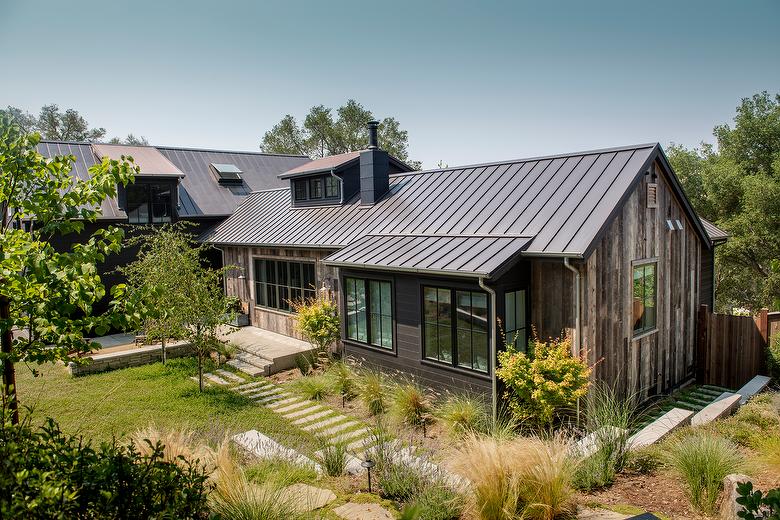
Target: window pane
x,y
445,343
331,187
650,296
351,308
360,309
464,347
300,190
479,347
387,332
644,298
137,203
270,271
162,207
271,296
509,311
430,304
282,273
431,341
308,276
295,275
315,188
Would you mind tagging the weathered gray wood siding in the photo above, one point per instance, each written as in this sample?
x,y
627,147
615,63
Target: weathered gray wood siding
x,y
654,362
244,288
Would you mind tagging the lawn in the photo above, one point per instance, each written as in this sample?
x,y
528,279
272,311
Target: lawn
x,y
120,402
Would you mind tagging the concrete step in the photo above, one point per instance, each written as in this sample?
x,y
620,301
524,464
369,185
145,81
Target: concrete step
x,y
328,421
267,399
300,405
329,432
309,418
248,387
225,374
251,368
716,410
753,387
215,379
658,429
302,411
262,392
362,433
284,402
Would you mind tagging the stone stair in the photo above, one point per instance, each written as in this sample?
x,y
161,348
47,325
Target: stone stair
x,y
261,352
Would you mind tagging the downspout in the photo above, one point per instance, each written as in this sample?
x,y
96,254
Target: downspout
x,y
577,322
493,349
341,185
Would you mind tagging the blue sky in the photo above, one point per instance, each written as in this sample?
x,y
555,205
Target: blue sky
x,y
470,81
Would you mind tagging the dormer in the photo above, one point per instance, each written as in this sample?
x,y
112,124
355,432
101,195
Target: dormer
x,y
336,179
153,197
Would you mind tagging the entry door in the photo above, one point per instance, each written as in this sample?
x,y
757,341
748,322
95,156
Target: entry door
x,y
515,306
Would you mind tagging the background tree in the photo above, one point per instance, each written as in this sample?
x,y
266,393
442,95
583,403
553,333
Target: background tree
x,y
131,139
46,297
736,184
321,134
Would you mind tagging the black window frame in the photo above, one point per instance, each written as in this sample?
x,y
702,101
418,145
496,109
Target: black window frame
x,y
150,189
276,295
369,313
455,329
518,326
646,327
315,189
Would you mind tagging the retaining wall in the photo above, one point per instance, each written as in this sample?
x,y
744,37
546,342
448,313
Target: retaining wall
x,y
129,358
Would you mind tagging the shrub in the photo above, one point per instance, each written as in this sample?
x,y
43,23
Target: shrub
x,y
344,380
314,387
702,460
609,420
524,477
437,502
179,446
545,381
317,319
410,404
756,505
462,414
768,448
371,390
47,474
399,481
644,460
773,357
333,457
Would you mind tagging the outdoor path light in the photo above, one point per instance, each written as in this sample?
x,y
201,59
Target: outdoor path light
x,y
368,464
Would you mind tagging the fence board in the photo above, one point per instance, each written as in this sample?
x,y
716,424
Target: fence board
x,y
730,349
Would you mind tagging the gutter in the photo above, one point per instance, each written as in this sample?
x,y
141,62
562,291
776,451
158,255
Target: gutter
x,y
492,349
577,320
341,185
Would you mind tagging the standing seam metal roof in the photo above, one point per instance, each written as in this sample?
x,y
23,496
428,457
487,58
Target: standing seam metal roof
x,y
200,194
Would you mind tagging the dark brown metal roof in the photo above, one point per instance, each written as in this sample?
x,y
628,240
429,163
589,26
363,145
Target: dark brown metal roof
x,y
323,164
564,202
200,194
714,232
481,255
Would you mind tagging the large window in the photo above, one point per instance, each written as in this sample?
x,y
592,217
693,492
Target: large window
x,y
278,282
644,298
455,327
149,203
369,312
514,320
317,189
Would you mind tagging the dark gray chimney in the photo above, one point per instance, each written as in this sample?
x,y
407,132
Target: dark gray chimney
x,y
374,169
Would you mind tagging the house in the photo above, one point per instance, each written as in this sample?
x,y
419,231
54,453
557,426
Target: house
x,y
436,270
200,186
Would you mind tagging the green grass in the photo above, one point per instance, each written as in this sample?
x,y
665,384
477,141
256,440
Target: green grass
x,y
119,402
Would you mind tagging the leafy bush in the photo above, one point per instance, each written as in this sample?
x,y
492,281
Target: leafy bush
x,y
372,388
773,357
47,474
463,413
333,457
410,404
609,419
344,380
524,477
314,387
318,320
702,460
545,381
756,505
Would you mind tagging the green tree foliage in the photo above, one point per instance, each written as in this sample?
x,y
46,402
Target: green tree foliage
x,y
544,382
177,295
46,296
736,184
47,474
318,320
130,140
321,134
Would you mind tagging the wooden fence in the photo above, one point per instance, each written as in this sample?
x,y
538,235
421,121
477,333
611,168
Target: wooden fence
x,y
730,350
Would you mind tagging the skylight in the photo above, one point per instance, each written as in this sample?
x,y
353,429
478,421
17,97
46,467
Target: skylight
x,y
226,173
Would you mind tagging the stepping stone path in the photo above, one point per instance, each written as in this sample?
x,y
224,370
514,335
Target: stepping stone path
x,y
329,425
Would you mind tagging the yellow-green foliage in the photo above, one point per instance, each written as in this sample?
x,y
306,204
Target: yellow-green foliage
x,y
773,357
543,382
318,320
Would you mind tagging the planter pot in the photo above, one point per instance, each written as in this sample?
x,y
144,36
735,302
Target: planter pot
x,y
240,320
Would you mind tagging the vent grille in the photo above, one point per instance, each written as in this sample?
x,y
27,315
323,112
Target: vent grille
x,y
652,195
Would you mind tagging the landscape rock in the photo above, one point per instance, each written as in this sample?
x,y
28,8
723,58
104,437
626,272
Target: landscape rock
x,y
305,498
353,511
729,507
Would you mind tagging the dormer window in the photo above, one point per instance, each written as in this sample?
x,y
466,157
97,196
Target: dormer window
x,y
319,189
149,202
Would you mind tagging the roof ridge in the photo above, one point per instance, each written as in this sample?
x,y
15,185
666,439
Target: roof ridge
x,y
528,159
166,147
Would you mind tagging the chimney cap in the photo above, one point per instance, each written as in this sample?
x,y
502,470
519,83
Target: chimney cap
x,y
373,140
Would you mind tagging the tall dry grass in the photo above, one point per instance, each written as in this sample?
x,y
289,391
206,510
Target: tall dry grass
x,y
179,445
529,477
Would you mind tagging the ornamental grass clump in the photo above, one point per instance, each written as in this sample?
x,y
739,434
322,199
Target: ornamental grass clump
x,y
702,460
372,389
542,384
179,446
315,387
344,379
410,404
523,477
333,457
462,413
